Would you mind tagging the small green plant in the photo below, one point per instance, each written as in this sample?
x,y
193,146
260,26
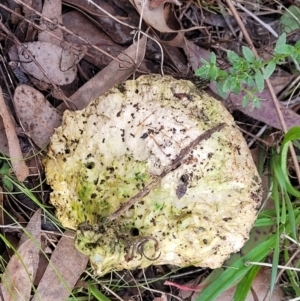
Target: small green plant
x,y
247,73
5,171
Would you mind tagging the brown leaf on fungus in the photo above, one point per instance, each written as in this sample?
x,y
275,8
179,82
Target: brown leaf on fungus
x,y
67,264
19,166
20,272
38,117
57,63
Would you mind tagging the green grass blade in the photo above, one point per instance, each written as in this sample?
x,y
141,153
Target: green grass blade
x,y
236,271
275,261
245,284
292,134
291,215
97,294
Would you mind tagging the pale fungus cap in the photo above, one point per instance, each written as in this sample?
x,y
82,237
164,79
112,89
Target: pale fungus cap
x,y
197,214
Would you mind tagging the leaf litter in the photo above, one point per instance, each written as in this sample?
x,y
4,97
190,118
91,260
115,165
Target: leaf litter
x,y
17,280
60,43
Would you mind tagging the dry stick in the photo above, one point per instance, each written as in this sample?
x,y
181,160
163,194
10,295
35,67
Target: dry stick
x,y
262,23
176,163
269,85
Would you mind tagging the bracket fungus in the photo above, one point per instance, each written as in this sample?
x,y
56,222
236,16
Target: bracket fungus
x,y
153,172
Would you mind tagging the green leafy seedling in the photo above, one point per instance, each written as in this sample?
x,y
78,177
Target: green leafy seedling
x,y
247,73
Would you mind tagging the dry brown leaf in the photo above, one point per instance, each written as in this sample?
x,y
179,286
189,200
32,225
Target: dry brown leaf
x,y
112,74
51,10
33,227
154,17
19,166
280,81
267,112
83,27
20,272
18,277
120,33
35,4
37,116
3,140
156,3
58,64
67,264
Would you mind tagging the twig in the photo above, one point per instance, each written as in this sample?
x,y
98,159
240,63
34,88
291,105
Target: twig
x,y
266,26
176,163
225,15
269,85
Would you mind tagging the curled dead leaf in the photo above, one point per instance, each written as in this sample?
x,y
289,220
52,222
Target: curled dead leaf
x,y
3,139
155,17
